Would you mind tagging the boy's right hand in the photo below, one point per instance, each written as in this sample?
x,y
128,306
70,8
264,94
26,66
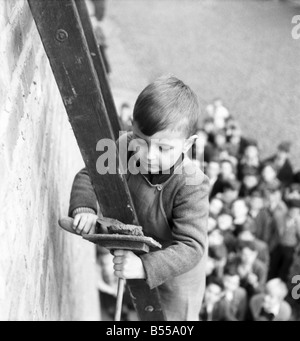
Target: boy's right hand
x,y
85,223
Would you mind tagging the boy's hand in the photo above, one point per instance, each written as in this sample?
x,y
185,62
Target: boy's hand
x,y
127,265
85,223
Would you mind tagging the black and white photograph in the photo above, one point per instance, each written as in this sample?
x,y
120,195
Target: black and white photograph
x,y
149,163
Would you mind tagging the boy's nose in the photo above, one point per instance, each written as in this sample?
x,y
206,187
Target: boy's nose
x,y
151,152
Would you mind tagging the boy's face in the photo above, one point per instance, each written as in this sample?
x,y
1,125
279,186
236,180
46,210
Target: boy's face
x,y
250,181
272,298
246,236
282,154
248,256
273,197
230,195
239,208
294,212
231,283
251,152
213,294
220,140
160,152
256,203
225,222
213,169
216,206
268,174
215,238
226,169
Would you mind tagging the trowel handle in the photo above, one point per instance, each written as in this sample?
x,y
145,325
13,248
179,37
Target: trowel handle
x,y
120,294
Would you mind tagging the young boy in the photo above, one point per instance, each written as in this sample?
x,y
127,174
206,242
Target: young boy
x,y
170,195
271,305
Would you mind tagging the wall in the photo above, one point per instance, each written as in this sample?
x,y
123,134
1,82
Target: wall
x,y
45,273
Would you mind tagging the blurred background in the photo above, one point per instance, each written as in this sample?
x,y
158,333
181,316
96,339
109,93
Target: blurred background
x,y
241,51
241,59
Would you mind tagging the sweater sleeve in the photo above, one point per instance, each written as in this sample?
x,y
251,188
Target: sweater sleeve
x,y
83,197
189,231
82,194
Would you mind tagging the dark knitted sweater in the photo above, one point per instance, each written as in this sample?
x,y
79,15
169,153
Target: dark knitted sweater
x,y
185,201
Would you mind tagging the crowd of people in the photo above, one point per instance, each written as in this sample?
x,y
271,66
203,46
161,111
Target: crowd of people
x,y
253,226
254,222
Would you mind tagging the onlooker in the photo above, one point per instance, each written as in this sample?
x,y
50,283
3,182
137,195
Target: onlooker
x,y
213,171
252,272
256,203
241,219
230,193
211,309
250,162
250,182
271,306
282,164
289,239
254,222
215,207
268,176
226,175
234,300
260,246
237,143
271,217
125,117
220,114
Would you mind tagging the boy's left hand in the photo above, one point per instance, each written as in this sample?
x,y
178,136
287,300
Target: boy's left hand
x,y
128,265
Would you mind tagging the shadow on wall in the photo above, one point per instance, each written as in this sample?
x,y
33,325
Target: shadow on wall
x,y
44,273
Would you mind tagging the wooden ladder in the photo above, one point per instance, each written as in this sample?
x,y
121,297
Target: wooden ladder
x,y
67,35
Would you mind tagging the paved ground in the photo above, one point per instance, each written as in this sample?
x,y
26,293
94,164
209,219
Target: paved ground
x,y
240,50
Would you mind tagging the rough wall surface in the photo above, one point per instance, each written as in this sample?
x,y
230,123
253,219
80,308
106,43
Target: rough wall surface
x,y
45,273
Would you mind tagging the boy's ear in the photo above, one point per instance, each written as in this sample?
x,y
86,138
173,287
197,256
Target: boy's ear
x,y
189,142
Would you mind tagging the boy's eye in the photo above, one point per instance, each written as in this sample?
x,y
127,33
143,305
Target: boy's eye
x,y
164,149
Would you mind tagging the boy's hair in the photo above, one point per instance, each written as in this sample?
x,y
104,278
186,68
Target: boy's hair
x,y
215,281
231,268
242,244
217,253
167,103
231,185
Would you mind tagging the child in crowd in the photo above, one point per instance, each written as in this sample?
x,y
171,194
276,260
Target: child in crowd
x,y
282,164
211,309
271,306
254,215
289,239
253,273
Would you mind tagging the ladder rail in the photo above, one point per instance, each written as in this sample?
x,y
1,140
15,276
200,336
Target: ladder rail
x,y
99,65
66,46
